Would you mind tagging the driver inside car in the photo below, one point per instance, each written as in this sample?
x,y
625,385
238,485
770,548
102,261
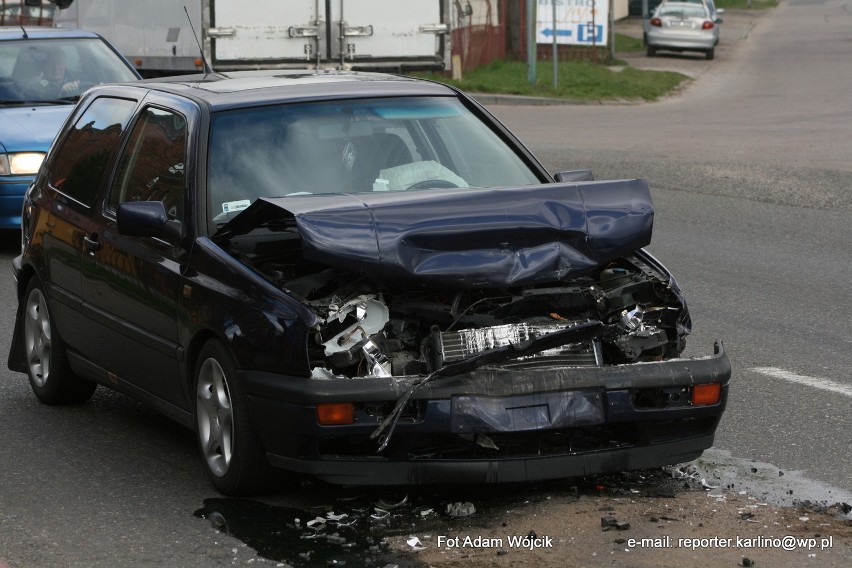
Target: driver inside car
x,y
54,81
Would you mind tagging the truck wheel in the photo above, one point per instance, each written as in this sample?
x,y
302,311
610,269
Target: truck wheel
x,y
232,454
47,365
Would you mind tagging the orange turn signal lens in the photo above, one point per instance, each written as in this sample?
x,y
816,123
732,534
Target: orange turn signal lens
x,y
335,413
702,395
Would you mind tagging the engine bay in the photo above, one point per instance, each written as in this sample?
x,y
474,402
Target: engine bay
x,y
373,328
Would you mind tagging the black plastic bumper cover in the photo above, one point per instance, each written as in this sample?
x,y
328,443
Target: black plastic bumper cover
x,y
281,409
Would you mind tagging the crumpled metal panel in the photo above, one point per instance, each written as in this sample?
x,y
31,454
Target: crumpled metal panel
x,y
488,237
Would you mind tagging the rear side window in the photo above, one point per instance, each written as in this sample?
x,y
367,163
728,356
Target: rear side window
x,y
79,166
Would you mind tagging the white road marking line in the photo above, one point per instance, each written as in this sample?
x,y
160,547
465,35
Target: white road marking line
x,y
815,382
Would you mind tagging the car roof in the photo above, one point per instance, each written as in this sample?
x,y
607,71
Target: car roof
x,y
42,32
244,88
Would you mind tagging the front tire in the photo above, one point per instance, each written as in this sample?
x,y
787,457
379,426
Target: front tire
x,y
47,364
230,450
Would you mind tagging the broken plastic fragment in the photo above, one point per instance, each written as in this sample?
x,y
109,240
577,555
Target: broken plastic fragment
x,y
415,543
321,373
684,472
333,517
370,315
388,506
379,514
459,509
318,522
480,440
378,364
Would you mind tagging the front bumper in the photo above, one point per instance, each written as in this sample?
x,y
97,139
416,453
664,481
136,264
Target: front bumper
x,y
493,425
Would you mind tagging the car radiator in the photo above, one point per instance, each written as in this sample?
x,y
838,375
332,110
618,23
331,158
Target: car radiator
x,y
456,345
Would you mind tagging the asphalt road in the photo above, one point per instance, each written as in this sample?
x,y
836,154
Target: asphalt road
x,y
751,175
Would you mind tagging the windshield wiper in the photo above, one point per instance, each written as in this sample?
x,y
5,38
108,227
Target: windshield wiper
x,y
60,101
64,101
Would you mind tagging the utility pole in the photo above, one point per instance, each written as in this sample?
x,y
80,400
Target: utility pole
x,y
531,44
555,49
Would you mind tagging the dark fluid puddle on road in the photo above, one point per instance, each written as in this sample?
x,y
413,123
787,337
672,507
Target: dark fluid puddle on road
x,y
356,522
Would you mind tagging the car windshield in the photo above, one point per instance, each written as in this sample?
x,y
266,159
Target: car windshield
x,y
387,144
56,70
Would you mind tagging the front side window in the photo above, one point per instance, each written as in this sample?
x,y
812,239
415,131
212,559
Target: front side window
x,y
391,144
151,167
83,157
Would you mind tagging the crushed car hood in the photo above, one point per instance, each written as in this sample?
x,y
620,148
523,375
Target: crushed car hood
x,y
509,236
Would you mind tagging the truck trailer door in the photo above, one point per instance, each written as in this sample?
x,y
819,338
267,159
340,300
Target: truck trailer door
x,y
379,33
357,34
267,33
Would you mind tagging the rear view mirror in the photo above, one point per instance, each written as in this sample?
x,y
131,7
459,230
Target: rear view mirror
x,y
146,219
574,175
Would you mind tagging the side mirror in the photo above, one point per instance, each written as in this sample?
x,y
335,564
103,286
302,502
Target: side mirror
x,y
718,20
147,219
574,175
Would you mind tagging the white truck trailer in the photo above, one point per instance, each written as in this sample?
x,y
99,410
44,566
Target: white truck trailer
x,y
155,35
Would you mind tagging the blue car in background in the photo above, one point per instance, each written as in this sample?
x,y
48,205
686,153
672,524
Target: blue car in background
x,y
43,72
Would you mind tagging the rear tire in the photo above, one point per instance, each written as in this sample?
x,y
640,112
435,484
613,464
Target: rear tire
x,y
47,364
710,54
651,51
230,449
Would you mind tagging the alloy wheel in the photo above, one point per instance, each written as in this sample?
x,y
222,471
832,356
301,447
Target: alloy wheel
x,y
215,417
37,337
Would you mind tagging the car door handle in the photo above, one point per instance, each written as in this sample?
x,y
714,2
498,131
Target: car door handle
x,y
92,243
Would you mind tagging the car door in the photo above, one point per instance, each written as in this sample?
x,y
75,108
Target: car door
x,y
131,284
66,197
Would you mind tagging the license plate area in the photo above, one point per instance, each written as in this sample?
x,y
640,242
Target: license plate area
x,y
482,414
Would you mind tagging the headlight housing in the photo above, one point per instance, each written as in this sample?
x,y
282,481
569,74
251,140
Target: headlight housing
x,y
20,163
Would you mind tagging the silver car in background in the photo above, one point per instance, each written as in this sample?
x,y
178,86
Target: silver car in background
x,y
683,26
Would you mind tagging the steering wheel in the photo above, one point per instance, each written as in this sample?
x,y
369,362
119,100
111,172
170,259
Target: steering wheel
x,y
432,184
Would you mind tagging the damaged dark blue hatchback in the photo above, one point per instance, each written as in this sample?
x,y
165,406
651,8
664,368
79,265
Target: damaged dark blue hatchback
x,y
363,278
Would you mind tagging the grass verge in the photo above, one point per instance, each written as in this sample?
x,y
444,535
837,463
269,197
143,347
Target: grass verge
x,y
577,80
746,4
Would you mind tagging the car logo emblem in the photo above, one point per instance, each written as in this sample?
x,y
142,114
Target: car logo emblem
x,y
349,155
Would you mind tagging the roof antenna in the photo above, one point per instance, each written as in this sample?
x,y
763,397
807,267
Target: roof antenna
x,y
23,29
207,69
